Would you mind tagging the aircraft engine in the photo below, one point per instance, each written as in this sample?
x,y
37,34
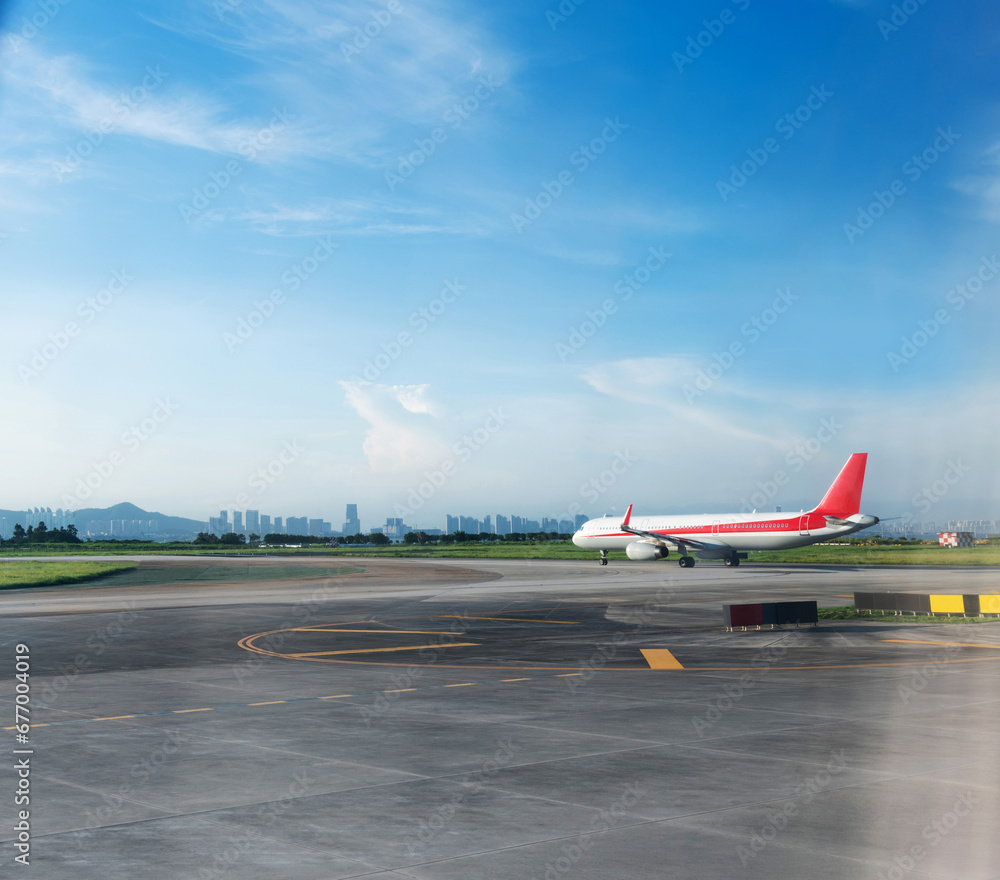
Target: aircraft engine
x,y
645,551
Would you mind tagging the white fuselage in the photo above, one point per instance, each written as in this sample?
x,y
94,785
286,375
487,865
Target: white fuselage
x,y
724,531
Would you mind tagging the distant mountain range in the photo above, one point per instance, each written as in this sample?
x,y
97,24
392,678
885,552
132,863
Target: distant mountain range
x,y
124,520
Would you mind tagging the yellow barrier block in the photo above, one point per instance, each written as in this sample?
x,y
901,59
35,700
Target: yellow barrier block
x,y
989,604
947,604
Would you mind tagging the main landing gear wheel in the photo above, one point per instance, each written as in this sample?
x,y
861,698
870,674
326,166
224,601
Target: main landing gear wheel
x,y
686,562
604,557
732,560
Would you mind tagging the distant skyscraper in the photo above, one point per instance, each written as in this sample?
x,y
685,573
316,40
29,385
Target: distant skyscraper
x,y
566,527
352,526
580,519
265,525
224,516
549,524
451,524
253,522
298,525
238,521
502,525
279,527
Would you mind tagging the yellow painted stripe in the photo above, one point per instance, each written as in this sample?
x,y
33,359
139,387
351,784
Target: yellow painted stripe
x,y
381,650
515,679
660,658
114,717
989,603
30,726
384,632
267,703
464,685
209,709
942,604
946,644
337,697
514,619
569,674
399,691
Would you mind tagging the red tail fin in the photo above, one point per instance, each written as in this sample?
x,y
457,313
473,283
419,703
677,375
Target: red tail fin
x,y
843,498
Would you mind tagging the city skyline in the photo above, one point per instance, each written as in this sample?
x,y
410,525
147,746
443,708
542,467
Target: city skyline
x,y
395,528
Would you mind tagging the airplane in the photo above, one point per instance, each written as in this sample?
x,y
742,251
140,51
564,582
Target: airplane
x,y
725,535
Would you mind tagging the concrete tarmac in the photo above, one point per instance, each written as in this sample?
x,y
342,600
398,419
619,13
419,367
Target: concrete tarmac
x,y
499,719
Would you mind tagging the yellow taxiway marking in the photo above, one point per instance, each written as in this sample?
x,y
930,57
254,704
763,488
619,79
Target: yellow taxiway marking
x,y
208,709
380,650
384,632
267,703
514,619
660,658
463,685
114,717
515,679
337,697
944,644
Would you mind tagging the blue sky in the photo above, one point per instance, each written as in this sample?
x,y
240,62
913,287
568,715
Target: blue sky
x,y
691,240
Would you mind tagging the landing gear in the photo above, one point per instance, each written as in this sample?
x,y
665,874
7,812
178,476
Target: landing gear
x,y
686,562
733,560
604,557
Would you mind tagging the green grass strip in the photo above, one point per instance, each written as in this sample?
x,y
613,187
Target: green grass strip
x,y
16,574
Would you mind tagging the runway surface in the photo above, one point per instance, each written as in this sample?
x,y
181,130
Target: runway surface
x,y
499,719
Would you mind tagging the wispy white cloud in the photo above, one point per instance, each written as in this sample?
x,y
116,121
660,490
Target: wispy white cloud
x,y
404,434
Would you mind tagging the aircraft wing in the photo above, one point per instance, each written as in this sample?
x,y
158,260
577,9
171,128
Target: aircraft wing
x,y
675,539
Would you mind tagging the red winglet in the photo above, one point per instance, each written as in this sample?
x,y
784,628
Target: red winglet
x,y
628,514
